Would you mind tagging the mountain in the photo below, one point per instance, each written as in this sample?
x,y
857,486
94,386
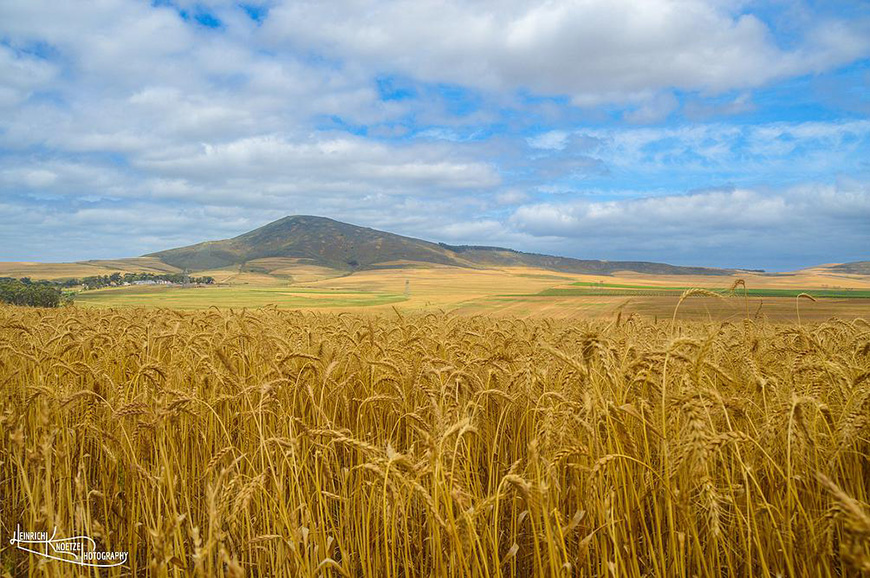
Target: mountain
x,y
329,243
853,268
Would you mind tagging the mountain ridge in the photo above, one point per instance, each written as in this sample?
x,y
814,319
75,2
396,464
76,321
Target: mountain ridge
x,y
343,246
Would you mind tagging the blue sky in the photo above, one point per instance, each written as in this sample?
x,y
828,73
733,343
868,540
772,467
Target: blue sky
x,y
701,132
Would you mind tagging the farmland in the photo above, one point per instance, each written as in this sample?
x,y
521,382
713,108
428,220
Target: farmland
x,y
290,443
508,292
234,296
582,288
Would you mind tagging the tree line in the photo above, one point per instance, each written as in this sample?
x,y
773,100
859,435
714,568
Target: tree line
x,y
50,293
116,279
31,293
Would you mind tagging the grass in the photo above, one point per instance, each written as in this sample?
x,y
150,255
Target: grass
x,y
285,443
84,268
508,291
604,289
233,296
467,293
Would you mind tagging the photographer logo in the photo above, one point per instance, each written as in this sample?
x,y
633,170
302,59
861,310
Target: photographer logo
x,y
80,550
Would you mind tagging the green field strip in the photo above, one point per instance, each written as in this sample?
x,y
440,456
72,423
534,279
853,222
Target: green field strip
x,y
570,292
224,297
604,289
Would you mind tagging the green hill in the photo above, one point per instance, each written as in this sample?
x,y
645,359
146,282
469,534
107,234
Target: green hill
x,y
346,247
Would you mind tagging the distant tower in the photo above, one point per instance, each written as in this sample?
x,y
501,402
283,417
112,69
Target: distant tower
x,y
407,288
186,277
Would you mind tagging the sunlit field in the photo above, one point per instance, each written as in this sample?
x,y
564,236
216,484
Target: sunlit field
x,y
518,292
234,296
282,443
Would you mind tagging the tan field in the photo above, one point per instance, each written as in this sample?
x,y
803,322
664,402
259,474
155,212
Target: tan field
x,y
816,278
509,291
83,268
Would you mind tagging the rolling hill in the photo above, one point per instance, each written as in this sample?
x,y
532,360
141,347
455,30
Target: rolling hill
x,y
853,268
328,243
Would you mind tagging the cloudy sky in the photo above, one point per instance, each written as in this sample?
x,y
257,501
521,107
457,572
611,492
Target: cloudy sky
x,y
703,132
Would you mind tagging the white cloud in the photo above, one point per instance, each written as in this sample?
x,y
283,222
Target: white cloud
x,y
511,197
699,109
719,227
553,140
58,177
698,148
461,231
655,109
267,172
592,50
21,75
33,178
340,163
739,210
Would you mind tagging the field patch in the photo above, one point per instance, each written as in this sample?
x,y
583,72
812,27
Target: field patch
x,y
588,288
232,296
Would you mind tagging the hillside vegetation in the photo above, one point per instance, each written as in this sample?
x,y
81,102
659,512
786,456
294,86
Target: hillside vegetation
x,y
280,443
329,243
854,268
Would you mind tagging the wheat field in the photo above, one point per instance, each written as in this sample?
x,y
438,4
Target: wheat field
x,y
283,443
